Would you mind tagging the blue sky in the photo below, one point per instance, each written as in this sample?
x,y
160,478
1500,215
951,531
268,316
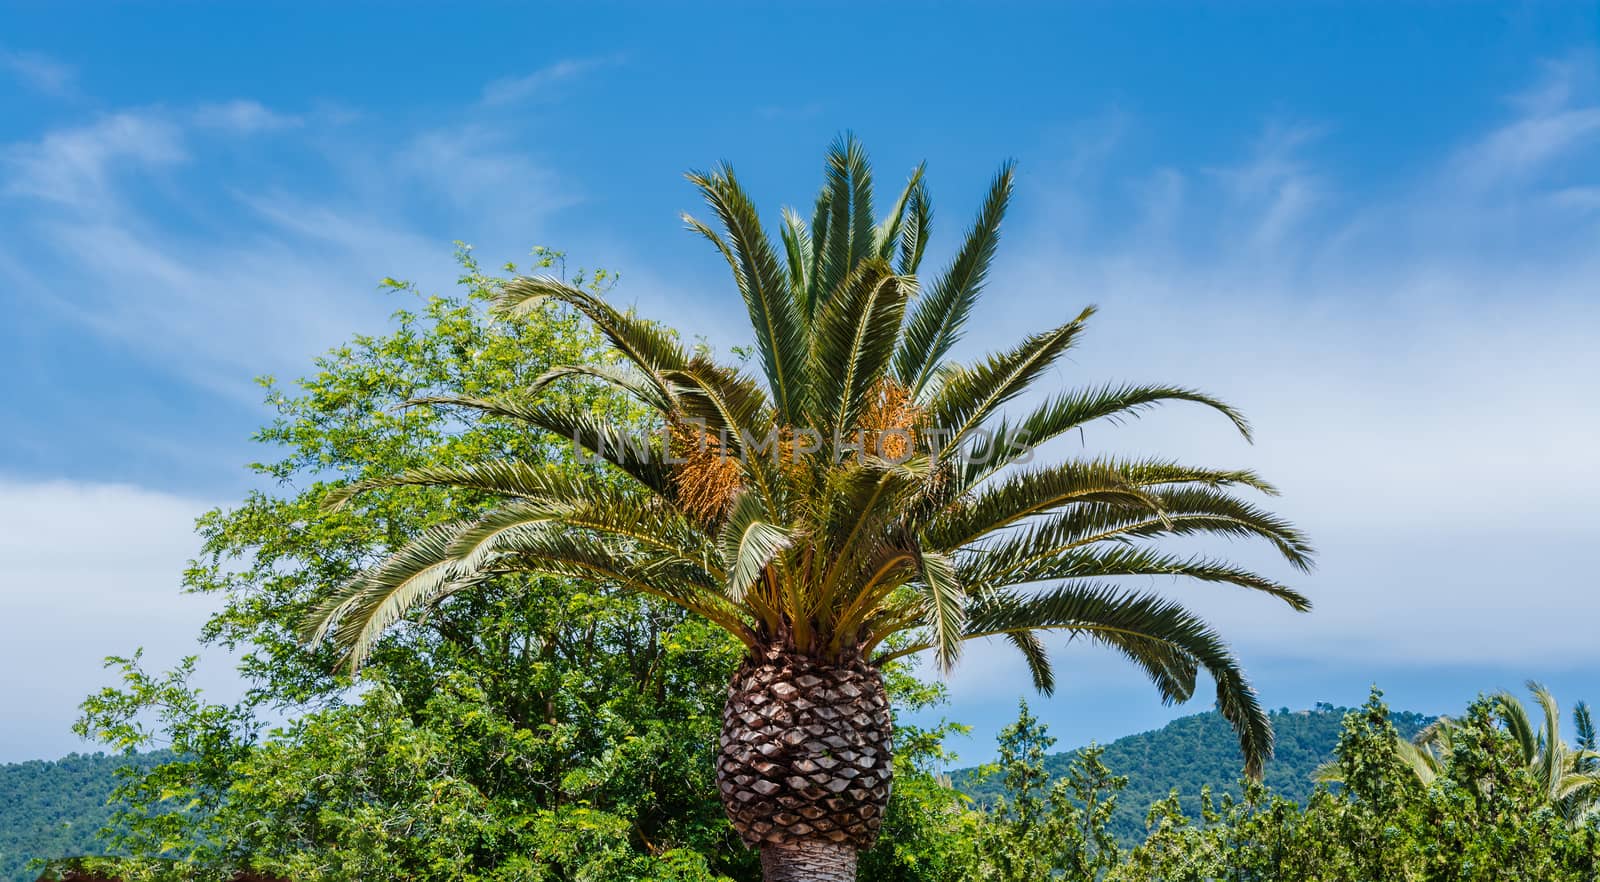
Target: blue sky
x,y
1376,227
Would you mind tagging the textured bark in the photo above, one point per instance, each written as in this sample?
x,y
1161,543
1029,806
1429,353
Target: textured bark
x,y
808,862
806,758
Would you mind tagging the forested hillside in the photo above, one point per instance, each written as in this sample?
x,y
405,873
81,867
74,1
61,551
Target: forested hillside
x,y
1192,752
53,808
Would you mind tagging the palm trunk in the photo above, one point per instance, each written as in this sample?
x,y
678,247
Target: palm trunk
x,y
808,862
806,763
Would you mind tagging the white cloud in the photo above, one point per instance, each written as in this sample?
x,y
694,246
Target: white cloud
x,y
1275,187
476,169
1554,119
41,73
1420,369
74,167
240,307
250,277
242,117
88,571
541,83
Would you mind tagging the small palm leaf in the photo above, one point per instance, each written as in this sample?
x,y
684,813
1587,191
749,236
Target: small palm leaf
x,y
970,397
646,345
1071,410
763,282
936,323
853,342
887,236
946,604
749,545
843,233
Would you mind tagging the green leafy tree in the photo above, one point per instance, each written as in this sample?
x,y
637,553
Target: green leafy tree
x,y
839,513
1200,750
614,695
1568,776
1043,830
1482,818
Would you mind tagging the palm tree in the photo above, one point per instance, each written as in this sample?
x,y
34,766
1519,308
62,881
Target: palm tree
x,y
863,501
1568,777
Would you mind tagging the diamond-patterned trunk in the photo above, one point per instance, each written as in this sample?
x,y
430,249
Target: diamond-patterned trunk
x,y
806,756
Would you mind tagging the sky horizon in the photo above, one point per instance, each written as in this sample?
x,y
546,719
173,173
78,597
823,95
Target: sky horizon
x,y
1375,228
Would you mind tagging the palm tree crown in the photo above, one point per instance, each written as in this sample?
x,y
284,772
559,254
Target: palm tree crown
x,y
863,498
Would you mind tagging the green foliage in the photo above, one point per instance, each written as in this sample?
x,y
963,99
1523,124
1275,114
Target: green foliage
x,y
1201,751
547,730
1037,829
370,790
1482,819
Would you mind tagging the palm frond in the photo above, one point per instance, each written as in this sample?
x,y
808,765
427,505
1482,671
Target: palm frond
x,y
647,345
647,390
946,605
628,453
842,235
1149,473
1034,492
937,320
420,572
1552,750
763,283
970,396
722,400
479,540
1515,717
1072,410
498,477
915,230
749,544
578,554
888,233
1200,509
852,343
1583,721
1014,560
1037,658
797,253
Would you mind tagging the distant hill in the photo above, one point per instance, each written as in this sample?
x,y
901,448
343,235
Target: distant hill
x,y
1191,752
53,808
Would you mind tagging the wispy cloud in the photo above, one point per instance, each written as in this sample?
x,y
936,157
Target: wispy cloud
x,y
543,82
41,73
1556,118
242,117
119,230
74,167
143,245
1417,363
478,168
1275,186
